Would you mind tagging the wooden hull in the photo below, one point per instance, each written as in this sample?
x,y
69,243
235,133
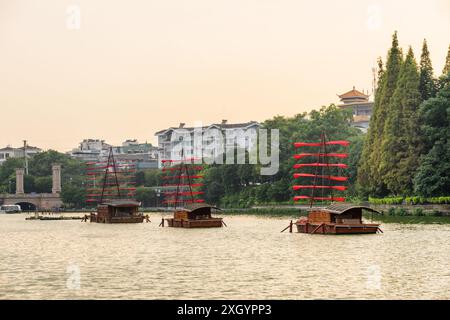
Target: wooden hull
x,y
191,223
334,228
135,219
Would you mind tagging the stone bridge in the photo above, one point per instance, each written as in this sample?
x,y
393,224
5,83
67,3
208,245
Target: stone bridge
x,y
35,201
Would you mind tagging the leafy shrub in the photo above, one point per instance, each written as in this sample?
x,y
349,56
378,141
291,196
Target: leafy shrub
x,y
389,201
415,200
418,212
436,213
439,200
391,212
401,212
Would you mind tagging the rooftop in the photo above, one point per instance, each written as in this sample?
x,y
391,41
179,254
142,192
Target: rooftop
x,y
353,94
223,125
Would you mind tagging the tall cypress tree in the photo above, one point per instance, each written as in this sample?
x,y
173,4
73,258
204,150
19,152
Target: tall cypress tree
x,y
389,82
444,78
427,85
400,144
433,174
364,182
446,69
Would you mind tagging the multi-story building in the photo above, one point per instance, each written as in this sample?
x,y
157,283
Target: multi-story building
x,y
232,135
90,150
10,152
144,154
360,105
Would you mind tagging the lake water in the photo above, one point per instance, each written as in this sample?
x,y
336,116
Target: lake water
x,y
250,259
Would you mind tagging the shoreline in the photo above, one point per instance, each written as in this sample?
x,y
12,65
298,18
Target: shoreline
x,y
289,213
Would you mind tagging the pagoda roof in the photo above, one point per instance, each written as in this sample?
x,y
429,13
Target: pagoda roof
x,y
353,94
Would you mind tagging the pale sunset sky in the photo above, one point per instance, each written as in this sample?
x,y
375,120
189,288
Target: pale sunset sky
x,y
127,69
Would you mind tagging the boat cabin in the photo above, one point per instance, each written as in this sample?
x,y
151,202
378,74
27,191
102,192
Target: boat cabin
x,y
195,215
194,211
338,213
118,211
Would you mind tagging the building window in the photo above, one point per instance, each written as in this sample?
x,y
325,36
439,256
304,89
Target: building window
x,y
2,156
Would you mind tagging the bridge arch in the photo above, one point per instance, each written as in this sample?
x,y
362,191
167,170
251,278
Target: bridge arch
x,y
27,206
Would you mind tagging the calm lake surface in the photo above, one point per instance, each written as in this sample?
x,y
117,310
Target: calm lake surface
x,y
250,259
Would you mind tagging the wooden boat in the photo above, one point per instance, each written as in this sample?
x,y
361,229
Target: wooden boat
x,y
113,206
194,215
189,211
117,211
337,219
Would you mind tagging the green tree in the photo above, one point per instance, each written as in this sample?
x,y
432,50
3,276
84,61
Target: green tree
x,y
400,144
73,196
8,173
446,69
433,174
444,79
140,178
427,83
153,178
43,184
147,196
355,151
28,184
370,176
365,173
432,178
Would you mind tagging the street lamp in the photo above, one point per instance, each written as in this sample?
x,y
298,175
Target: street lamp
x,y
158,193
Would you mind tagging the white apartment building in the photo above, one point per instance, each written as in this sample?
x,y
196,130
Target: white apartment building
x,y
217,136
10,152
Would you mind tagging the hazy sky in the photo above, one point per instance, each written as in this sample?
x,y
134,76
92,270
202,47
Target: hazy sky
x,y
131,68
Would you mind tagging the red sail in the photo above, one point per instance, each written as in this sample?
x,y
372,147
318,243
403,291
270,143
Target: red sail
x,y
340,188
302,165
337,199
336,155
308,175
344,143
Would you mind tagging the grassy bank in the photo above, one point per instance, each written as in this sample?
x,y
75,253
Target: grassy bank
x,y
404,217
409,219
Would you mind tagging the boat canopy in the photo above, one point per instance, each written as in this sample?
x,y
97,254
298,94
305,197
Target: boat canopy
x,y
341,208
191,207
122,203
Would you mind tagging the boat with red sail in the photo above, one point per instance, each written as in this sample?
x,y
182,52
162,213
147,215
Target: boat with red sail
x,y
184,196
322,180
114,198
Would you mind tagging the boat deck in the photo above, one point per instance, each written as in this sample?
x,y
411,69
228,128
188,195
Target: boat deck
x,y
337,228
195,223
